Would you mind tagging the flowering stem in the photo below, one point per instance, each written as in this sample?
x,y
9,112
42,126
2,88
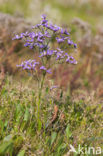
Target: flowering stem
x,y
46,33
39,101
41,85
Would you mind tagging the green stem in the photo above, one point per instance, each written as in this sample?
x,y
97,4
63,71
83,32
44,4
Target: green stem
x,y
39,101
41,86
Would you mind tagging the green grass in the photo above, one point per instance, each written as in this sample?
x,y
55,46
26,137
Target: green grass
x,y
88,12
77,122
16,6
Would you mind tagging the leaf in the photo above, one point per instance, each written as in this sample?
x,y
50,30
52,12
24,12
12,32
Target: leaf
x,y
8,138
6,146
68,132
47,90
1,126
53,137
60,141
21,153
5,124
39,124
61,94
4,91
26,115
61,147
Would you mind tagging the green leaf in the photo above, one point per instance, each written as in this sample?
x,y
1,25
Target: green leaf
x,y
26,115
6,146
8,138
4,91
39,124
1,126
61,94
53,137
68,132
5,124
47,90
60,141
21,153
61,147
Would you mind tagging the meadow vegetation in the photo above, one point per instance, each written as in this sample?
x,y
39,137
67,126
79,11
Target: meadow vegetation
x,y
65,120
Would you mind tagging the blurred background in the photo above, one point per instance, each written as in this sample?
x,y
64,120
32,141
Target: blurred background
x,y
84,19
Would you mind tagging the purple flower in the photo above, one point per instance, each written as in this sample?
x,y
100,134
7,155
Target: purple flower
x,y
49,71
53,27
56,28
41,46
45,25
31,46
64,32
37,26
32,35
66,38
46,34
43,68
39,40
53,87
25,34
66,55
21,36
59,55
59,40
71,60
30,40
55,51
49,52
70,42
17,37
36,44
27,44
43,16
44,21
42,53
33,27
28,65
21,65
46,53
75,45
40,35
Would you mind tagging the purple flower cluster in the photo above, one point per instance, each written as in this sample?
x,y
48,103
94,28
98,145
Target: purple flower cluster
x,y
45,31
60,54
40,37
31,65
45,69
28,65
